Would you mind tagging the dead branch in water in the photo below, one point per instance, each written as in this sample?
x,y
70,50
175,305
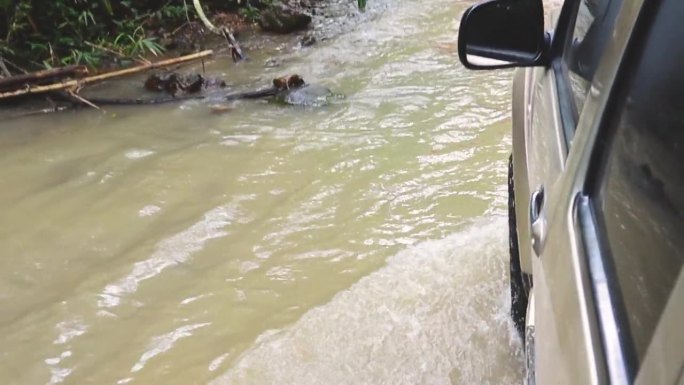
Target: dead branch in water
x,y
82,100
48,110
142,101
45,76
74,84
235,50
145,67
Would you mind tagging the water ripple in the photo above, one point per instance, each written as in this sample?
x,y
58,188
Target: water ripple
x,y
171,252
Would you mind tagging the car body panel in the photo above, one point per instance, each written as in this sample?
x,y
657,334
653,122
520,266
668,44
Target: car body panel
x,y
568,322
565,327
521,113
539,152
566,353
532,86
539,159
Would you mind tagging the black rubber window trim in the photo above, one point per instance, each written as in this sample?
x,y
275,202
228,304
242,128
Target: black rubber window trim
x,y
611,316
566,104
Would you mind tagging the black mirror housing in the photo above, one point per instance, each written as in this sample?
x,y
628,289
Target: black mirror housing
x,y
503,34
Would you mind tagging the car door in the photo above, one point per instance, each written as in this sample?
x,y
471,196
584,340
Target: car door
x,y
554,97
608,282
539,148
565,352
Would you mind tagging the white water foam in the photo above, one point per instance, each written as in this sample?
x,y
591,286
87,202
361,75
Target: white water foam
x,y
436,314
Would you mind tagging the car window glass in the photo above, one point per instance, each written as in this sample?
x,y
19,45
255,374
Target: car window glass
x,y
593,27
639,197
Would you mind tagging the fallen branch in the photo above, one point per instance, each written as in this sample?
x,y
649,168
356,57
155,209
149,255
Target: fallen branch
x,y
203,17
37,112
72,84
145,67
3,67
16,67
51,75
83,100
143,101
258,94
235,50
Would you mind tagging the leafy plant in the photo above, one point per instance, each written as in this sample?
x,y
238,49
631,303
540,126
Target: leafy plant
x,y
85,16
89,58
249,13
43,33
137,44
150,45
171,12
108,7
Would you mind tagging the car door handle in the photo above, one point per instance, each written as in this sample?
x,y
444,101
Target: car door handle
x,y
537,220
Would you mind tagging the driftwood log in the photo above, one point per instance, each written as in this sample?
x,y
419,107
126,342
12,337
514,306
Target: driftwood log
x,y
280,85
42,77
142,101
75,84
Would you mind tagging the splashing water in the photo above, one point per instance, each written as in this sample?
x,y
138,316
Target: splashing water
x,y
436,314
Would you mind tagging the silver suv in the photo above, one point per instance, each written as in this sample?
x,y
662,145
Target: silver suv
x,y
596,183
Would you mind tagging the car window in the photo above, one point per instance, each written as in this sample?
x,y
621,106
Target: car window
x,y
639,194
593,26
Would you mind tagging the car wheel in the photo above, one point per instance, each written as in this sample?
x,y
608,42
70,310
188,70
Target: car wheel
x,y
518,294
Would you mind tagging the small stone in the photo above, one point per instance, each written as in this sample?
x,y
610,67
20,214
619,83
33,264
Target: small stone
x,y
272,63
220,108
308,41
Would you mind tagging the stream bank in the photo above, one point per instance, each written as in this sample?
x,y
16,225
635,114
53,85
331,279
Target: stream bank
x,y
299,24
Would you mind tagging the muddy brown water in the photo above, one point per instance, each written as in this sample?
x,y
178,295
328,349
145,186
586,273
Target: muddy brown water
x,y
364,242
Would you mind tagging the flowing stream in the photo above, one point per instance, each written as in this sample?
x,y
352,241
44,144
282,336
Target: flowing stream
x,y
363,242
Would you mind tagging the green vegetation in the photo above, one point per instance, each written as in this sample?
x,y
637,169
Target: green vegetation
x,y
250,13
40,33
50,33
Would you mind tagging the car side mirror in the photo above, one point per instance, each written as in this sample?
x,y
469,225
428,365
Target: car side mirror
x,y
503,34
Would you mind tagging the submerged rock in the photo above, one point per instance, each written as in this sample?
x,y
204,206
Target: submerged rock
x,y
282,18
308,41
310,95
273,62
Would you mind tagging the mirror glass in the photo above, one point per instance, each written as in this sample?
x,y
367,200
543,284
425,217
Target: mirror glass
x,y
482,61
502,33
